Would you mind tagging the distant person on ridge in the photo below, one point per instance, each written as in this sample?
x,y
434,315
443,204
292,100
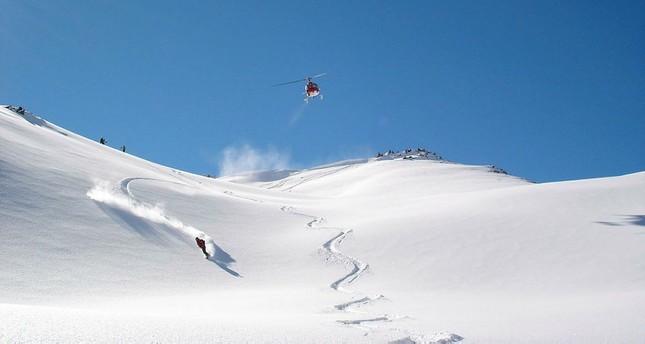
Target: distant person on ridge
x,y
123,148
102,141
202,244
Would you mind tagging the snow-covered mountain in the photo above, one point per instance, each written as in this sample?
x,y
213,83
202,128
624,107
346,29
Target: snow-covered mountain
x,y
97,245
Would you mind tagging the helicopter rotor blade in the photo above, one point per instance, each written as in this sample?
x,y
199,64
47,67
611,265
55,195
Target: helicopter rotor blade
x,y
290,82
300,80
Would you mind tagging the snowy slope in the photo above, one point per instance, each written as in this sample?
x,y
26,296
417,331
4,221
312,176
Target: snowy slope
x,y
98,245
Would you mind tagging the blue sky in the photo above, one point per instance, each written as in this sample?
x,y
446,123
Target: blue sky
x,y
548,90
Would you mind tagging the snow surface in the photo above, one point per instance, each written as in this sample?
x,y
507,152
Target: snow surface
x,y
97,245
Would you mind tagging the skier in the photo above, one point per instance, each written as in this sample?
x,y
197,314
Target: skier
x,y
202,244
102,141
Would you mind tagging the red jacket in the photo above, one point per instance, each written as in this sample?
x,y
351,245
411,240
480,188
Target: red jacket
x,y
200,243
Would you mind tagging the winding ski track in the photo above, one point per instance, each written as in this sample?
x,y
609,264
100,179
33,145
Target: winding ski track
x,y
371,324
122,199
158,215
358,268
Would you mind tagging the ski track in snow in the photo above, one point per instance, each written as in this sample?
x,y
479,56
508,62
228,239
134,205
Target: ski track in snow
x,y
358,269
232,194
122,199
304,180
366,322
358,266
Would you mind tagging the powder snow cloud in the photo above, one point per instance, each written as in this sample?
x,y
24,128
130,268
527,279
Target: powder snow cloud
x,y
242,158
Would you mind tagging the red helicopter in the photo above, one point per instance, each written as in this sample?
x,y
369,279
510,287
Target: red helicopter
x,y
311,88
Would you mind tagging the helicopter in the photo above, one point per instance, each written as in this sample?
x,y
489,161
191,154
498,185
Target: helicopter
x,y
311,88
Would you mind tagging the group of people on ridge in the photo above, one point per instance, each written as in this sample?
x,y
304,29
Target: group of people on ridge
x,y
104,141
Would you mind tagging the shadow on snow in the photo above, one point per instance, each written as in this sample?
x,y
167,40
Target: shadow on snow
x,y
638,220
163,234
223,260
